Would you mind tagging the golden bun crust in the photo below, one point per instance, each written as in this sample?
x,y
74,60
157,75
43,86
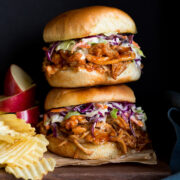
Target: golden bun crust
x,y
88,21
108,150
67,97
83,78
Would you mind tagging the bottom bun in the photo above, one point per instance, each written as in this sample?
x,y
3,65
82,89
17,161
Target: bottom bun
x,y
83,78
108,150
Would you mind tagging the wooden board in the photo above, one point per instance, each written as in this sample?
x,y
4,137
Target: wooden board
x,y
123,171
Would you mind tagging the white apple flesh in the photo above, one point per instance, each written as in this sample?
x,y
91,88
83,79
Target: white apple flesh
x,y
16,81
30,115
18,102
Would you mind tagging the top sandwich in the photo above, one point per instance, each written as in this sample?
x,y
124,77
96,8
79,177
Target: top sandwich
x,y
91,46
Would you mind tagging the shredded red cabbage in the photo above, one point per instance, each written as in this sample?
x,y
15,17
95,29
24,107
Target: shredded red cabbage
x,y
132,130
62,113
87,108
93,126
130,37
138,62
49,52
95,113
83,108
54,127
138,59
130,124
114,39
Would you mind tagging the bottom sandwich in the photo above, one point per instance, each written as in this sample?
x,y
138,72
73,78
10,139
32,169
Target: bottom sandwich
x,y
94,123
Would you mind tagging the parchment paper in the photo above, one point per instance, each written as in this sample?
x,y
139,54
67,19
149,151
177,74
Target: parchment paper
x,y
144,157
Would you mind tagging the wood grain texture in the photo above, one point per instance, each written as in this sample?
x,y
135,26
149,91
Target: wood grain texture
x,y
124,171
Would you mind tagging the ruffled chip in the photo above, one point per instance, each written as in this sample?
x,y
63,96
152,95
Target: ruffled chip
x,y
16,124
8,135
33,171
23,151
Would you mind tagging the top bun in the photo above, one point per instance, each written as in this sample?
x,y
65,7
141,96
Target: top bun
x,y
67,97
88,21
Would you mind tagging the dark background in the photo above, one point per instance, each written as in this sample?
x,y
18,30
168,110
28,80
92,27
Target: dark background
x,y
21,27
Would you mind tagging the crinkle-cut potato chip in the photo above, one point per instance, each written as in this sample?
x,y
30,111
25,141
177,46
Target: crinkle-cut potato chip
x,y
33,171
16,124
36,154
21,149
10,153
9,135
24,151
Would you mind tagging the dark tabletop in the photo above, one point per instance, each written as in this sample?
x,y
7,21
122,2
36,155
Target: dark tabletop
x,y
123,171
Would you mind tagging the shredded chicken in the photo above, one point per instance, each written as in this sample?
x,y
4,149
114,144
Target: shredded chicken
x,y
118,68
41,128
79,131
84,134
122,144
76,60
127,56
63,143
121,123
80,146
102,49
73,121
51,70
121,49
100,57
101,134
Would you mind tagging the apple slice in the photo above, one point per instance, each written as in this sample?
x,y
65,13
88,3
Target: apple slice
x,y
18,102
16,81
30,115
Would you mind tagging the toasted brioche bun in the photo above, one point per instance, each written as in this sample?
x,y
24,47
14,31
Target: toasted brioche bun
x,y
108,150
88,21
83,78
67,97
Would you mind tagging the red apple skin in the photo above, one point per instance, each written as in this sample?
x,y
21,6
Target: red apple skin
x,y
10,85
19,102
30,115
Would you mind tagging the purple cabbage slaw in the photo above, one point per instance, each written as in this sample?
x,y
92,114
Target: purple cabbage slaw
x,y
95,114
115,39
51,49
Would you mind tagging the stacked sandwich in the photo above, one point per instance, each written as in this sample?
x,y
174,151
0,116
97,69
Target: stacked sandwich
x,y
89,48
